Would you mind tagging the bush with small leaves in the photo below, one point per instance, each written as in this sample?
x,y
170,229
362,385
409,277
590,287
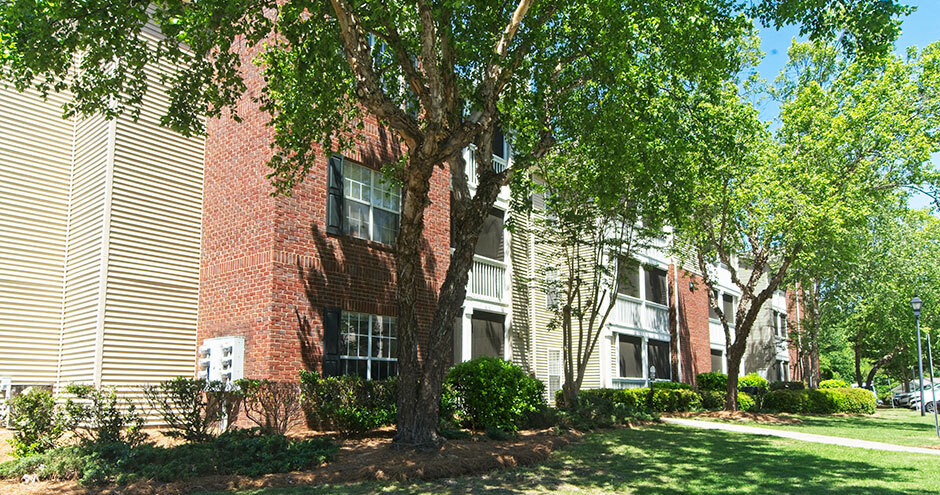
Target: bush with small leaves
x,y
193,408
348,404
96,417
493,393
274,406
712,381
824,401
787,386
37,422
834,383
753,381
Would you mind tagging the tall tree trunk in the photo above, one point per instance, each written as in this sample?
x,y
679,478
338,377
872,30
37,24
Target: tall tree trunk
x,y
420,382
735,354
879,364
858,360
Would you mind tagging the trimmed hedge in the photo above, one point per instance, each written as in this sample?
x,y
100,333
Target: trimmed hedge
x,y
825,401
714,400
787,386
712,381
490,393
606,407
834,383
754,380
348,404
672,385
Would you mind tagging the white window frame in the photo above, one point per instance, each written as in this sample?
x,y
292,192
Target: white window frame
x,y
368,358
780,324
555,370
374,179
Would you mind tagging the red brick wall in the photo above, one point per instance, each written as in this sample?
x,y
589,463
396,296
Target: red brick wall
x,y
269,267
793,322
692,319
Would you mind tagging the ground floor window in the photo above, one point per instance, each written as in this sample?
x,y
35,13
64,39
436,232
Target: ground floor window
x,y
368,346
717,360
658,352
631,356
487,334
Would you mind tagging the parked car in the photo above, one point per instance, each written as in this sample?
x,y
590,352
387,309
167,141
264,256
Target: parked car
x,y
904,400
930,398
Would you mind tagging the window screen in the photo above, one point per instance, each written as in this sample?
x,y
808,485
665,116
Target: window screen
x,y
655,285
488,333
631,357
727,307
628,278
490,243
711,309
659,357
717,359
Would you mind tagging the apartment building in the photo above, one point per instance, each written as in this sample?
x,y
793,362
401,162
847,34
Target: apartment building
x,y
132,255
100,226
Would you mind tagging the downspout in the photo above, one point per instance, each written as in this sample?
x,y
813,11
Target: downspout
x,y
675,293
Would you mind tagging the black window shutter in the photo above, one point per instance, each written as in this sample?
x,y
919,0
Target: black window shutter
x,y
334,195
499,143
331,337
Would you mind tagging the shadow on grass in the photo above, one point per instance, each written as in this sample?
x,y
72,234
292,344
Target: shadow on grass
x,y
667,460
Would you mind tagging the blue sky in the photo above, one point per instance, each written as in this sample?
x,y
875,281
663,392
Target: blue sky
x,y
919,29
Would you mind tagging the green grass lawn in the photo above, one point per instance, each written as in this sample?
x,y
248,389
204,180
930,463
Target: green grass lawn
x,y
667,459
897,426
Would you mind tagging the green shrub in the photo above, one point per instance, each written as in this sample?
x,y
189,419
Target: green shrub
x,y
746,402
789,401
675,400
37,421
96,417
348,404
672,386
713,399
246,452
787,386
712,381
851,400
492,393
825,401
273,406
835,383
607,407
193,408
753,380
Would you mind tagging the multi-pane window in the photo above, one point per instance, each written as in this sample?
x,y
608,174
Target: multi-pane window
x,y
631,356
373,204
711,308
368,346
555,379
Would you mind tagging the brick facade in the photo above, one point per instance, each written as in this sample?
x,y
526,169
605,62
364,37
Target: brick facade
x,y
692,313
269,268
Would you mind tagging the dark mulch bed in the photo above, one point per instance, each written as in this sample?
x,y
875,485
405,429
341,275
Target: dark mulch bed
x,y
359,459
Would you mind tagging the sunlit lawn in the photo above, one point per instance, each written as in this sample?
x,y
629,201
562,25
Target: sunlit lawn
x,y
666,459
897,426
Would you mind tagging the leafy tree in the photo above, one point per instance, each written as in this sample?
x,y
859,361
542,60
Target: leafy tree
x,y
899,255
439,75
852,131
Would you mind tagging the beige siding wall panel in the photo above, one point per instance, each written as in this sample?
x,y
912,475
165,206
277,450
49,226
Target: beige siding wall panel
x,y
35,155
153,265
87,213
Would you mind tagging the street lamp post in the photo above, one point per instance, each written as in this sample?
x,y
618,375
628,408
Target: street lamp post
x,y
916,303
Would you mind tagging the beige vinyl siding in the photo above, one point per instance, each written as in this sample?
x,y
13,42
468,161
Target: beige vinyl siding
x,y
35,155
544,255
153,262
86,241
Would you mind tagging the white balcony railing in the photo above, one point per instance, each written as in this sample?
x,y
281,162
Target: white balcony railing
x,y
499,165
487,278
636,314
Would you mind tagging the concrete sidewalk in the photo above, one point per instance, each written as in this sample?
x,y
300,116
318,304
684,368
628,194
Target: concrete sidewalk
x,y
806,437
